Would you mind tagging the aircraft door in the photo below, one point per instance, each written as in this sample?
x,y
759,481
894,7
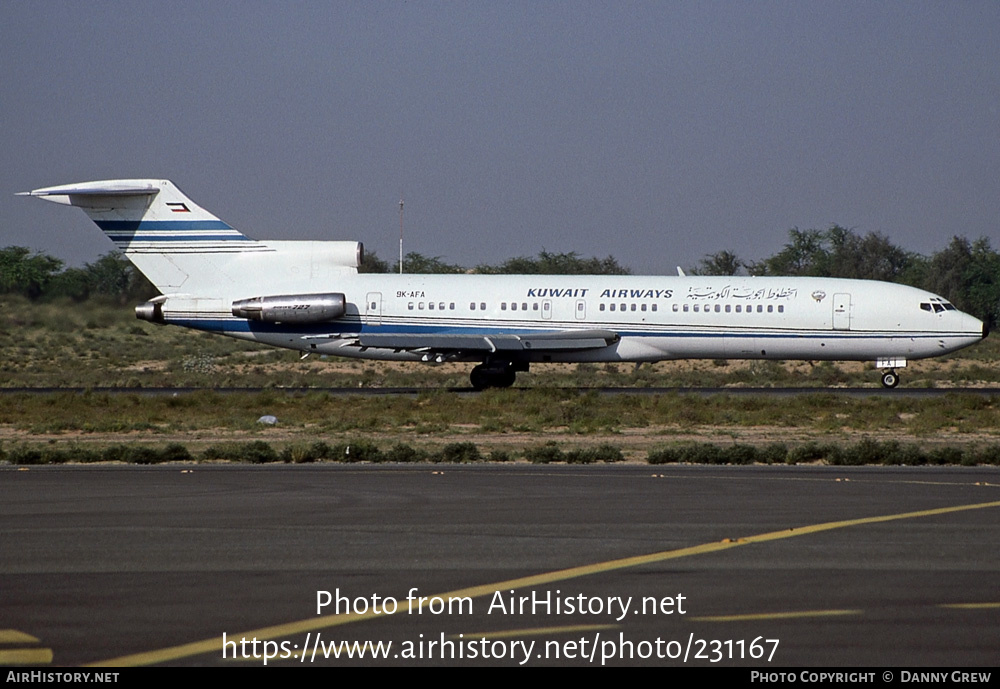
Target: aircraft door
x,y
841,311
547,309
373,308
581,309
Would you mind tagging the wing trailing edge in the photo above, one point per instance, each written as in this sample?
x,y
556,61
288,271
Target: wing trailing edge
x,y
566,340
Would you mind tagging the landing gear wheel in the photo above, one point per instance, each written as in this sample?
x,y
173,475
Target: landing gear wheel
x,y
483,376
890,379
505,379
479,378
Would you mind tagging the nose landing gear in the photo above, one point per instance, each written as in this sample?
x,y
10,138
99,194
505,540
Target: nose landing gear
x,y
890,379
889,364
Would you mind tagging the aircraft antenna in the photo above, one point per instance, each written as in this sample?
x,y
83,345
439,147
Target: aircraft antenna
x,y
400,234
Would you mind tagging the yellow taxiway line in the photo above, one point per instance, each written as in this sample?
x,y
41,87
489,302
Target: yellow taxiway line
x,y
280,631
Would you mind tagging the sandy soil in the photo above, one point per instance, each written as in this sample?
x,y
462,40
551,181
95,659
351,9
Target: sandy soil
x,y
635,443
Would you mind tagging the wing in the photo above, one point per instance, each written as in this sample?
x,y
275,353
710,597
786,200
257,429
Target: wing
x,y
447,343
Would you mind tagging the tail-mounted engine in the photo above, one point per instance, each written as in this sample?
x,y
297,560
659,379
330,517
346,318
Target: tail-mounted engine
x,y
292,308
151,311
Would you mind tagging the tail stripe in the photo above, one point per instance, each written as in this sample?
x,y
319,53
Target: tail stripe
x,y
176,236
128,237
118,226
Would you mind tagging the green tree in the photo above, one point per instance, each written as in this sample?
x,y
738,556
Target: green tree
x,y
549,263
371,263
418,263
805,254
719,263
947,271
25,273
72,283
837,252
111,277
871,257
967,274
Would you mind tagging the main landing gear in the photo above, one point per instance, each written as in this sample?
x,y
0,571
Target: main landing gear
x,y
890,379
495,374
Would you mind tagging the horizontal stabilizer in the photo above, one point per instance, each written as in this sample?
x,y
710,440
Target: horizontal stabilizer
x,y
112,187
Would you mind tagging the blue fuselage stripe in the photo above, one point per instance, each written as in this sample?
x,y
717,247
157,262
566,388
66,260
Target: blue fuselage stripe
x,y
167,226
494,328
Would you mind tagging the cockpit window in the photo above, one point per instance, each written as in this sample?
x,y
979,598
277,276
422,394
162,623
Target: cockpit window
x,y
937,305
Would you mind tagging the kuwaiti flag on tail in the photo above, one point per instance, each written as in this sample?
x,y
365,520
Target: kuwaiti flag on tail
x,y
140,216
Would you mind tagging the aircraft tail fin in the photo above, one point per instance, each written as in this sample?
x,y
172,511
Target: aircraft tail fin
x,y
174,242
185,250
148,216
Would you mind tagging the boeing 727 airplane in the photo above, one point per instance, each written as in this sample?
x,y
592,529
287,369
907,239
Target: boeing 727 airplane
x,y
309,296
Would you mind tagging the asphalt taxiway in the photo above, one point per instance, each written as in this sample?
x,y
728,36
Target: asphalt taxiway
x,y
615,565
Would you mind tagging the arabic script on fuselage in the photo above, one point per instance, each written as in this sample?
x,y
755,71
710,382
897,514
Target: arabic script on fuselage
x,y
747,293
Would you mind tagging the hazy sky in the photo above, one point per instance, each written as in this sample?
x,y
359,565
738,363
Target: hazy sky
x,y
655,132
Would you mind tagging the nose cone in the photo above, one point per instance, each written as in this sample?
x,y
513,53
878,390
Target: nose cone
x,y
976,329
965,331
977,326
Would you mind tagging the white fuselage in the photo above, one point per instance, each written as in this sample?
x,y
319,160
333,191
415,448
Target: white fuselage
x,y
656,317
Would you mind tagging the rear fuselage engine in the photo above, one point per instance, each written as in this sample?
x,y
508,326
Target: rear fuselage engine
x,y
292,308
